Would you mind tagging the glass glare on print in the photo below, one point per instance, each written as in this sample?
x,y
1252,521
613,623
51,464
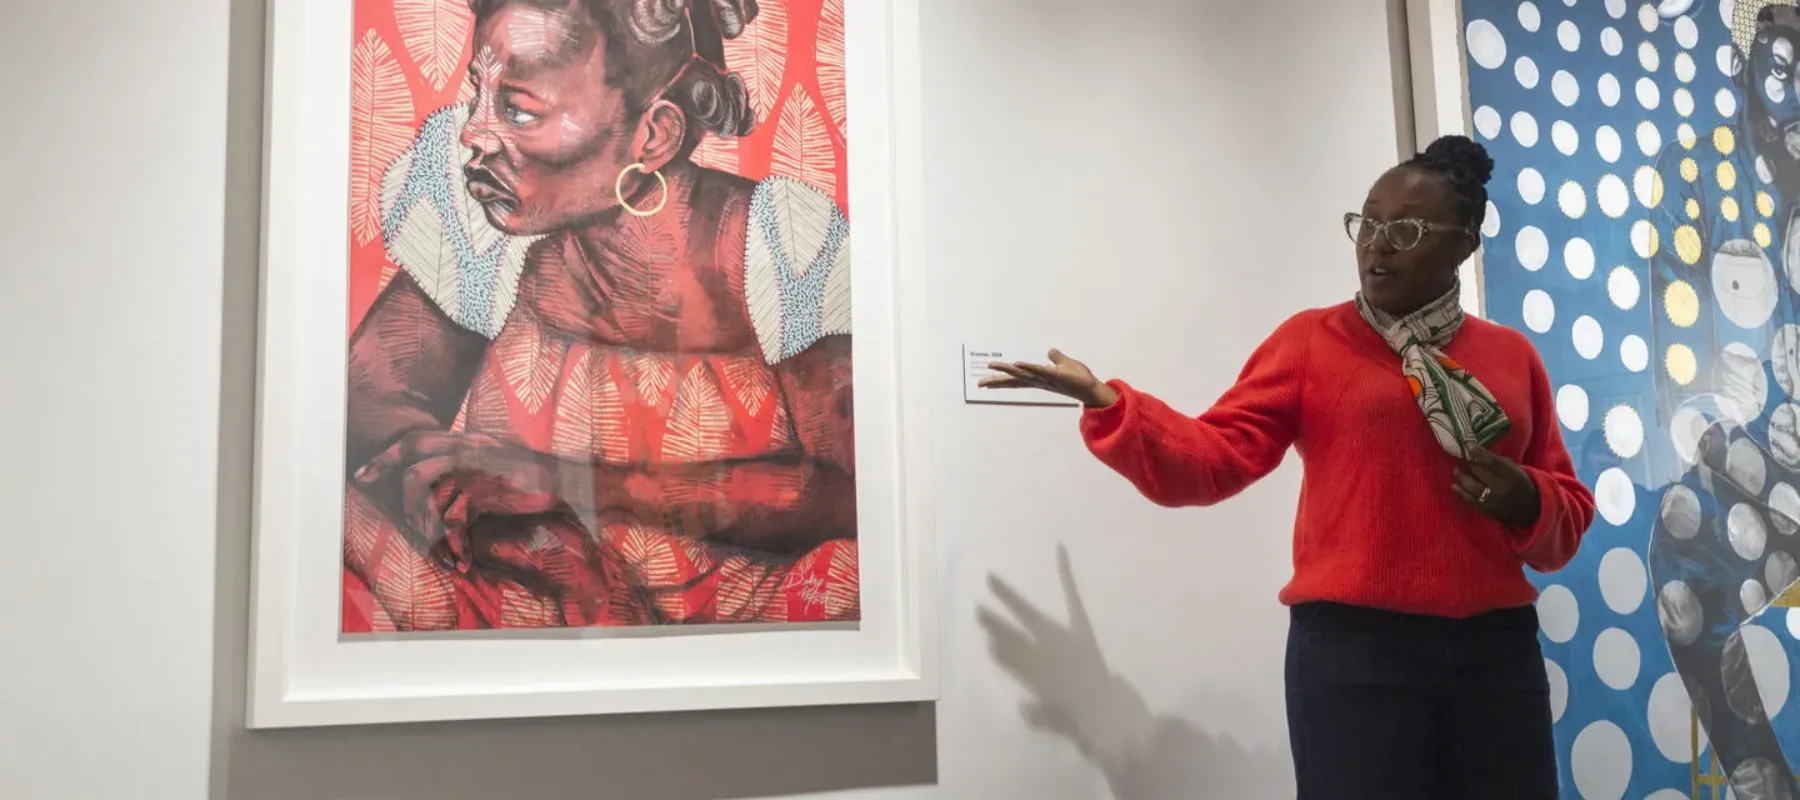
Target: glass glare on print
x,y
1642,234
599,342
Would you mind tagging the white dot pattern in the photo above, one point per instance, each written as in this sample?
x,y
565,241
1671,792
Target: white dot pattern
x,y
1616,128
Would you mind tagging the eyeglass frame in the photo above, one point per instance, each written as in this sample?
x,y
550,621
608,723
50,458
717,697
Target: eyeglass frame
x,y
1381,229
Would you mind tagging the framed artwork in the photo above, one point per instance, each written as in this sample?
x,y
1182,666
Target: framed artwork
x,y
563,408
1642,232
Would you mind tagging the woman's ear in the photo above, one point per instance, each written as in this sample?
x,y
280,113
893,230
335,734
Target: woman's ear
x,y
1466,246
1456,251
660,135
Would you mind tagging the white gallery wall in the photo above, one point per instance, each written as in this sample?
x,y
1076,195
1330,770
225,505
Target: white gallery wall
x,y
113,137
1150,184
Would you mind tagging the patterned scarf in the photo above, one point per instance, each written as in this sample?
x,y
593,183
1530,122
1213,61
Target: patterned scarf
x,y
1462,413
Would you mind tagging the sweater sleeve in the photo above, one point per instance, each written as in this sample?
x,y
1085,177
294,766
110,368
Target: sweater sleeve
x,y
1176,460
1566,507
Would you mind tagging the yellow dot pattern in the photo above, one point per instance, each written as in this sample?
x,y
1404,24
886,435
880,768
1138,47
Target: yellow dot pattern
x,y
1724,141
1692,208
1729,209
1690,171
1681,364
1687,245
1762,235
1765,205
1727,176
1682,304
1685,133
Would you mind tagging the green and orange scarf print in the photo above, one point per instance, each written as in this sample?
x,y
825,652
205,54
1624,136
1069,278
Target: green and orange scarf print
x,y
1462,414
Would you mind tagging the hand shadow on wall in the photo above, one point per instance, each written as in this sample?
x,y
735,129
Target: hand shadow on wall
x,y
1073,694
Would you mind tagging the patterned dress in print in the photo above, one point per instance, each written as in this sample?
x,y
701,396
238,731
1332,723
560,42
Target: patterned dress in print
x,y
556,381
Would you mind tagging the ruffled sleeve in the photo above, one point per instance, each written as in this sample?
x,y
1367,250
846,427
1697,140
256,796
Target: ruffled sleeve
x,y
435,231
796,267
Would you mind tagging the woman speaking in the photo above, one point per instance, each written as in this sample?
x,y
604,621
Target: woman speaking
x,y
1433,473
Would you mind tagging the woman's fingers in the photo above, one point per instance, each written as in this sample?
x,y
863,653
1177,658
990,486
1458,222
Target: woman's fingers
x,y
411,448
418,489
1484,472
385,463
1044,373
1460,492
1034,374
1467,486
1024,375
1003,382
1013,371
1013,377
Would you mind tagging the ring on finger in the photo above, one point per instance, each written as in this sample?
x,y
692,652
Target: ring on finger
x,y
1486,492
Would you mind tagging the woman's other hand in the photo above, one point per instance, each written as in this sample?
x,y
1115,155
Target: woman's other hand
x,y
1063,375
1499,488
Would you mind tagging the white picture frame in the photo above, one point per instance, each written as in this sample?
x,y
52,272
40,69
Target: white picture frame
x,y
1440,101
304,673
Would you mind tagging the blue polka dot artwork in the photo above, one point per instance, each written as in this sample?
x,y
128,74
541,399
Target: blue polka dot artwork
x,y
1644,230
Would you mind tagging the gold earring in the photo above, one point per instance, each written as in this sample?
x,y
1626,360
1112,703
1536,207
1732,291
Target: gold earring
x,y
619,191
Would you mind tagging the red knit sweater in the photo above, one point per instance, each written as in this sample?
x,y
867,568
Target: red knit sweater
x,y
1378,524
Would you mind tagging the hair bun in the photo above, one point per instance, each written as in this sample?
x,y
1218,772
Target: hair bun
x,y
717,101
654,22
1464,154
733,16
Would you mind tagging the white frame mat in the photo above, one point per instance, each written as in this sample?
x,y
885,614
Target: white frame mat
x,y
303,673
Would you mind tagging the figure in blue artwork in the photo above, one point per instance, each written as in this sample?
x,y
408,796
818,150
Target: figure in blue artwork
x,y
1721,241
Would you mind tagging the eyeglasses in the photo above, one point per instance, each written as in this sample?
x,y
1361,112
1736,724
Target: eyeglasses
x,y
1401,234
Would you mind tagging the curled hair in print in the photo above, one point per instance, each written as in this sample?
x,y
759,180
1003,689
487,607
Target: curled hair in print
x,y
1465,167
668,49
717,102
657,21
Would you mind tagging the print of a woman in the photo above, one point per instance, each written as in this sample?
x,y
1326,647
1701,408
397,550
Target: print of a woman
x,y
607,386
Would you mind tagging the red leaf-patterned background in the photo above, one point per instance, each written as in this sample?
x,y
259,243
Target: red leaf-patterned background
x,y
411,57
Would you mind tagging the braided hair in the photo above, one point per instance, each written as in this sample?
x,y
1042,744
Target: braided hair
x,y
668,49
1465,167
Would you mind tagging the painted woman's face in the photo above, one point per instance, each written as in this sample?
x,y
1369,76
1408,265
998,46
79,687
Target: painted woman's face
x,y
1774,86
548,131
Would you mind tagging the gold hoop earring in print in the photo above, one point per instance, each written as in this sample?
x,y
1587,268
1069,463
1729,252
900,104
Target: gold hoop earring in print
x,y
619,191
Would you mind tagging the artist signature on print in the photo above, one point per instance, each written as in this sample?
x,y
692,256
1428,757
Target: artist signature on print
x,y
811,587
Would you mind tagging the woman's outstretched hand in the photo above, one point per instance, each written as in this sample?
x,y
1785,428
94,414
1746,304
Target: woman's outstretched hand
x,y
1063,375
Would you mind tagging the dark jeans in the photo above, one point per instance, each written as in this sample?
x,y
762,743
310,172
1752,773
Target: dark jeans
x,y
1407,707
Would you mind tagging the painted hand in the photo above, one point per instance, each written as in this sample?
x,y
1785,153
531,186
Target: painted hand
x,y
448,482
1063,375
1498,487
